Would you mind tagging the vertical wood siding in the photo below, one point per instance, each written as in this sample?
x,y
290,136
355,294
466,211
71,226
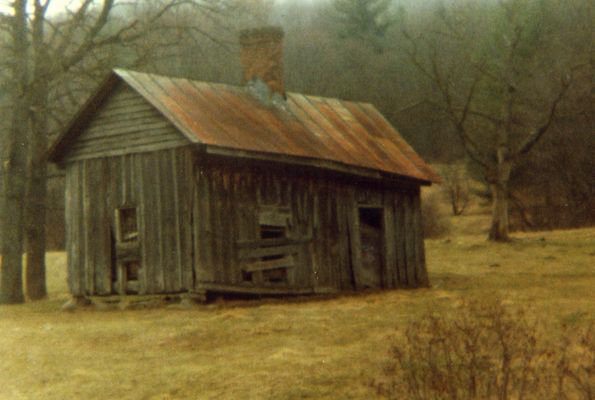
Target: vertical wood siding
x,y
194,217
325,220
159,184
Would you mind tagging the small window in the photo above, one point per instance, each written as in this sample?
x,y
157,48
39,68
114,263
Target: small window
x,y
127,224
132,268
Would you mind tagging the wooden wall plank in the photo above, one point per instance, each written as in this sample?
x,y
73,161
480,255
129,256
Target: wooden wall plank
x,y
166,220
205,271
304,219
186,179
73,210
89,270
216,225
174,223
232,200
390,274
228,238
409,241
354,238
322,249
151,251
421,273
102,243
347,280
142,191
400,232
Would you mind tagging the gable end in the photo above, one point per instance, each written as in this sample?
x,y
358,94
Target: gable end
x,y
125,123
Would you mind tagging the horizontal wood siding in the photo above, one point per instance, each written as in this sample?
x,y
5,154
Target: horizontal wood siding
x,y
125,124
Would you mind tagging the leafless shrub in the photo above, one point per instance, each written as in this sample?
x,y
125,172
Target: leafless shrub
x,y
487,352
576,364
435,223
455,187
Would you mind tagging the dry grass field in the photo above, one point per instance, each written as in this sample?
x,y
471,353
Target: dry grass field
x,y
321,348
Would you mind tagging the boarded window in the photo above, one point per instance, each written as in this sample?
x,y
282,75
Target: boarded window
x,y
276,275
272,232
279,217
267,260
126,224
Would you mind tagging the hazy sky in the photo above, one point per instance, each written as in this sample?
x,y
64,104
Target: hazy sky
x,y
55,5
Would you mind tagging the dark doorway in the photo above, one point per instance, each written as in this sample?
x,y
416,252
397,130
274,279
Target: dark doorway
x,y
371,245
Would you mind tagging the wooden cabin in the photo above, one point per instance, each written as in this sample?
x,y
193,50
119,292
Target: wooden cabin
x,y
177,186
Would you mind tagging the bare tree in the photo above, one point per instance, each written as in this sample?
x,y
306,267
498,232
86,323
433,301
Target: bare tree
x,y
456,187
500,75
44,54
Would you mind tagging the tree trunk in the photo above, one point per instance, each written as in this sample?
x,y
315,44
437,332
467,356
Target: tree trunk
x,y
15,162
36,207
500,223
499,228
35,215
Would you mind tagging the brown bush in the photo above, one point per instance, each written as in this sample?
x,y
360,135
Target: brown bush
x,y
435,222
487,352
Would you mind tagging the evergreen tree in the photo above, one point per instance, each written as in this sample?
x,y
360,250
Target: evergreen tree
x,y
366,20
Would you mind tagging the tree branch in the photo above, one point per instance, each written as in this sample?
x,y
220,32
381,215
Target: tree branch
x,y
73,23
434,75
90,36
536,135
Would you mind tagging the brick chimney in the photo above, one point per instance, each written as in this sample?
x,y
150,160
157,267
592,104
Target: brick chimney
x,y
262,58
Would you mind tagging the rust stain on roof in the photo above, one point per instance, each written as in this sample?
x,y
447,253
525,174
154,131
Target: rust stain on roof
x,y
349,133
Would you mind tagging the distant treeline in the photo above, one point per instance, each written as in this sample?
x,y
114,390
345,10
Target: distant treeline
x,y
362,50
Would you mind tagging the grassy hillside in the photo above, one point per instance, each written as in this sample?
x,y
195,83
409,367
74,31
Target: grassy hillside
x,y
317,348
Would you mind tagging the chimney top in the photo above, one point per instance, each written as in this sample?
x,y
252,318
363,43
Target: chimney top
x,y
262,58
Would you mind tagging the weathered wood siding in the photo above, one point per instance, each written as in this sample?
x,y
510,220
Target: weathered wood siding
x,y
226,223
323,234
126,123
159,184
199,225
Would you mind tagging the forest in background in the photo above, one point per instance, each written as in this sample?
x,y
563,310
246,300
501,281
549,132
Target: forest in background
x,y
504,88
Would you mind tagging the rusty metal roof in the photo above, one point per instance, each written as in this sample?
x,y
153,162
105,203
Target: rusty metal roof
x,y
348,133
